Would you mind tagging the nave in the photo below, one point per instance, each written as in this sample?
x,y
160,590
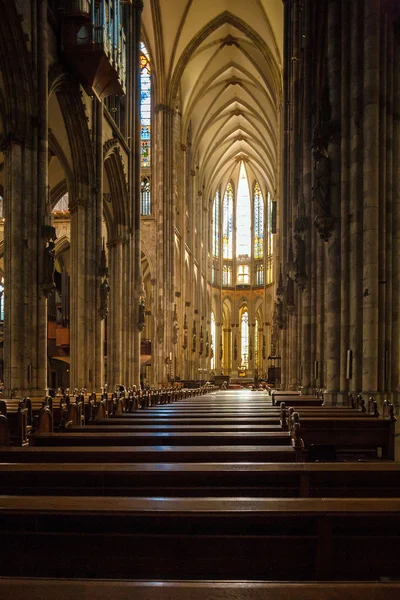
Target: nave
x,y
198,487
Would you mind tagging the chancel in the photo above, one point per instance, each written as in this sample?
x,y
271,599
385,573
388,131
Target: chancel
x,y
199,298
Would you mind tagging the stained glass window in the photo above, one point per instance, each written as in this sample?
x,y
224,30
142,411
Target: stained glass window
x,y
2,299
243,215
145,106
213,338
244,332
260,275
258,223
227,275
256,344
145,204
269,234
215,234
243,275
227,225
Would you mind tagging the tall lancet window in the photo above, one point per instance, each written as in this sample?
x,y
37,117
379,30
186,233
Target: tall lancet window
x,y
256,344
258,223
213,339
243,216
145,106
269,234
215,233
227,225
244,334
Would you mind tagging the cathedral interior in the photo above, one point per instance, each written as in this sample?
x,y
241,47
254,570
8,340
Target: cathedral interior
x,y
204,192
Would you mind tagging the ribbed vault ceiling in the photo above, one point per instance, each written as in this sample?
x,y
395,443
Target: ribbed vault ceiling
x,y
221,60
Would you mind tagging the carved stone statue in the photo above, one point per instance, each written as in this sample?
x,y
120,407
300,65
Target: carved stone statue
x,y
175,330
322,177
185,340
141,315
104,295
48,267
324,220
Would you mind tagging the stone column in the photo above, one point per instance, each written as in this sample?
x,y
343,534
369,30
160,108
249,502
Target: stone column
x,y
332,291
24,355
96,357
355,220
389,214
135,283
165,218
371,196
306,193
78,221
345,203
395,358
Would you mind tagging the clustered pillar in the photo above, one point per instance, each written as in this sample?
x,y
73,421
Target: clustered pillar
x,y
341,163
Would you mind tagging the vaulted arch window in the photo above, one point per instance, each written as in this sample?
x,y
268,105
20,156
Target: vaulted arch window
x,y
2,299
260,275
244,334
227,225
258,222
213,338
215,232
227,275
256,344
243,215
145,196
145,106
269,233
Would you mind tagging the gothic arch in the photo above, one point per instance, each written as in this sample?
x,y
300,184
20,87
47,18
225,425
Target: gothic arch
x,y
225,17
16,69
75,119
119,192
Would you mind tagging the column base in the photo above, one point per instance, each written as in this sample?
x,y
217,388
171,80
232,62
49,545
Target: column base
x,y
331,398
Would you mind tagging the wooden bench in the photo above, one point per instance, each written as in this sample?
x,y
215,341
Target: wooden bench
x,y
14,426
281,480
198,438
158,454
348,434
38,589
200,538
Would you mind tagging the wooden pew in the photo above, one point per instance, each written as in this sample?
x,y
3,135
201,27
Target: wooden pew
x,y
349,435
104,425
196,590
280,480
158,454
206,538
38,589
198,438
14,422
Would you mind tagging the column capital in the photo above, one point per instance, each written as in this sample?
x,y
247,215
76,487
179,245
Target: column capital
x,y
137,4
164,108
12,137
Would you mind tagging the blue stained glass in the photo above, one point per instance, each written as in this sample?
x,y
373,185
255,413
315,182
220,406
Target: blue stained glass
x,y
258,223
145,106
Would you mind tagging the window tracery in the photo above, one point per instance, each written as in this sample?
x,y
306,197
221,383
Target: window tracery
x,y
227,225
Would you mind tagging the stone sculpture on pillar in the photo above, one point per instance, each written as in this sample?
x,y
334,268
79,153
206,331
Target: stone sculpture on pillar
x,y
207,345
175,327
49,256
301,275
141,314
185,335
194,337
104,286
324,221
104,296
